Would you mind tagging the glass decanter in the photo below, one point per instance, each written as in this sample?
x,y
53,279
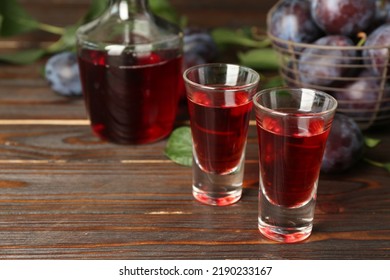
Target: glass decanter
x,y
131,70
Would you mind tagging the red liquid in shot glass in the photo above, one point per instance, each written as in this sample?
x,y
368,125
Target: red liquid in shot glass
x,y
219,129
290,156
131,99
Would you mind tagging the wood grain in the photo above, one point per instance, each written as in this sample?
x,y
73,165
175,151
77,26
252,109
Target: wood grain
x,y
81,198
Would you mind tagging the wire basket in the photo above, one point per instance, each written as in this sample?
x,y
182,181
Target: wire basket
x,y
362,95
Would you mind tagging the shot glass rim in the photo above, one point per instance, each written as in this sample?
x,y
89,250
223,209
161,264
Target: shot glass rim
x,y
295,89
227,87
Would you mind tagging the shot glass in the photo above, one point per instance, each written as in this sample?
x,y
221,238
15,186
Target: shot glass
x,y
220,104
293,127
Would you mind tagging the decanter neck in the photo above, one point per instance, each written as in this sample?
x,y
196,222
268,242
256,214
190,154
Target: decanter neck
x,y
127,8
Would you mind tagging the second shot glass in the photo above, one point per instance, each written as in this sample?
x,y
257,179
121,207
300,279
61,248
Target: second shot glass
x,y
220,104
293,125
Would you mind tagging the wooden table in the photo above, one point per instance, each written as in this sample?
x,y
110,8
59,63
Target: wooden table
x,y
64,194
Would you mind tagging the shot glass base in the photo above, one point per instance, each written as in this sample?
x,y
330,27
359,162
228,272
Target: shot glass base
x,y
284,235
285,224
216,199
217,189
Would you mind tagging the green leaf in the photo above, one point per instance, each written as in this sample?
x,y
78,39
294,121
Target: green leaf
x,y
42,26
223,36
274,82
371,142
165,10
179,146
265,58
23,57
96,8
387,166
67,40
15,19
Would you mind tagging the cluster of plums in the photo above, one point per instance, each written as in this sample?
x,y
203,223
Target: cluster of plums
x,y
340,47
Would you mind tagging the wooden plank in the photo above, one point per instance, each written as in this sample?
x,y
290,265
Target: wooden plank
x,y
202,13
73,140
121,211
71,199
